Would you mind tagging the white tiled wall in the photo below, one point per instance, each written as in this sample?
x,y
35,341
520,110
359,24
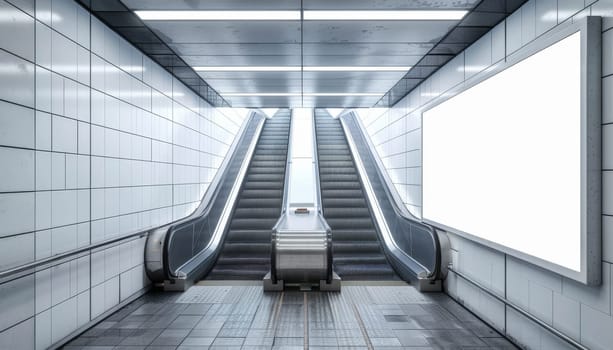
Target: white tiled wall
x,y
583,313
96,141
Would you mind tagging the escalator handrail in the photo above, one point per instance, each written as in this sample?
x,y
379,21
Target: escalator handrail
x,y
288,164
433,274
204,209
330,257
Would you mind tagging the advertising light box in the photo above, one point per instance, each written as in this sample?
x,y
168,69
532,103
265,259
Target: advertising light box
x,y
513,160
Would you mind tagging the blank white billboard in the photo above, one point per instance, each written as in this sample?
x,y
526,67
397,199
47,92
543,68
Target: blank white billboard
x,y
502,160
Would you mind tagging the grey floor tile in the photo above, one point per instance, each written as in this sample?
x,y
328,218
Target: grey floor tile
x,y
351,342
259,341
323,341
203,332
185,322
148,309
239,317
141,337
197,341
196,309
288,342
171,337
387,341
499,343
413,337
233,332
106,341
228,341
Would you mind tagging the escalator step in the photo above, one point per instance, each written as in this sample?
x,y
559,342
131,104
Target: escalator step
x,y
263,185
256,213
349,223
357,251
249,236
351,212
347,203
265,177
245,254
255,193
341,185
342,193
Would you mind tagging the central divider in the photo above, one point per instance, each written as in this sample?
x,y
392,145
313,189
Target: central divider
x,y
301,239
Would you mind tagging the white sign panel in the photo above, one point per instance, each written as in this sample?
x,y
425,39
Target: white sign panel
x,y
502,160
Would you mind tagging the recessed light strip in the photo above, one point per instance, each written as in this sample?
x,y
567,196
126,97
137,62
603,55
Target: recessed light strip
x,y
248,69
306,69
291,94
356,69
380,15
311,15
218,15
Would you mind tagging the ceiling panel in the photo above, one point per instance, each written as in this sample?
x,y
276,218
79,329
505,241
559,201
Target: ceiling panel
x,y
266,102
227,31
389,4
353,75
250,75
359,60
213,4
424,45
249,49
367,49
242,60
375,31
354,85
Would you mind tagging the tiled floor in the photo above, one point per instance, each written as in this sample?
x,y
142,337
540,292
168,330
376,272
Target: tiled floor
x,y
235,316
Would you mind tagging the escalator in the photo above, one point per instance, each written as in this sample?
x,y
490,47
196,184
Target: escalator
x,y
245,254
357,251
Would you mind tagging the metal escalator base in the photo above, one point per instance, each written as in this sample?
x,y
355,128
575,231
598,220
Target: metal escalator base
x,y
245,254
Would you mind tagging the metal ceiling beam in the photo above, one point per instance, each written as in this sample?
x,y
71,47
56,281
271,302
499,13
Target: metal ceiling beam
x,y
480,20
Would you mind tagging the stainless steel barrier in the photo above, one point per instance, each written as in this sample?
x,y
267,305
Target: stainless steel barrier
x,y
301,252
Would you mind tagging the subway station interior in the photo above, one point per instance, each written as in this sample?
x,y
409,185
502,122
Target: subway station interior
x,y
306,174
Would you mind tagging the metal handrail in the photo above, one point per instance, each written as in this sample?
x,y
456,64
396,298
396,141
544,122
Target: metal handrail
x,y
288,164
520,310
436,271
15,272
330,258
5,275
318,200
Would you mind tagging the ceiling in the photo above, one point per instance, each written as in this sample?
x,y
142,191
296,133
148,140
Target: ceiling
x,y
180,45
296,43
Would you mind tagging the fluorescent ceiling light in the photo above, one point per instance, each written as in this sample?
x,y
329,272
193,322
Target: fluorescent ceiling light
x,y
400,15
261,94
293,94
359,15
356,69
218,15
249,69
306,69
344,94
